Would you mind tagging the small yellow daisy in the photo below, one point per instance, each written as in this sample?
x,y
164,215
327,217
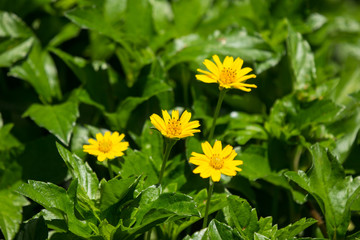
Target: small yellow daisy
x,y
228,74
108,146
173,127
215,161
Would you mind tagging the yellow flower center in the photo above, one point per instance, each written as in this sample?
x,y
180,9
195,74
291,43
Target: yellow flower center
x,y
174,127
227,75
105,145
216,161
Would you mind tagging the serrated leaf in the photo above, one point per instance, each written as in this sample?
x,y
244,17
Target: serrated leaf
x,y
301,60
218,230
10,212
114,190
243,216
137,163
81,171
294,229
333,191
16,40
51,196
40,71
58,119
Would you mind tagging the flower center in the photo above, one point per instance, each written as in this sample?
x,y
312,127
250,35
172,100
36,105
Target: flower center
x,y
227,75
105,145
216,161
174,127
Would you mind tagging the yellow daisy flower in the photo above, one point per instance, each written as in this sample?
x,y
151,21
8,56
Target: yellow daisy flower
x,y
228,74
215,161
108,146
173,127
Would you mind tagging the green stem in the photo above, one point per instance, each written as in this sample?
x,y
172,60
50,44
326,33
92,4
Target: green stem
x,y
169,145
216,114
210,190
111,173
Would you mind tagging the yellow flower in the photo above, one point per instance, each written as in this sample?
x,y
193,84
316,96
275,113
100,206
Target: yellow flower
x,y
173,127
228,74
108,146
215,161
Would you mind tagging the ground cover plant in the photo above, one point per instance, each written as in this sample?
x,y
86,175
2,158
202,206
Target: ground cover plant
x,y
201,119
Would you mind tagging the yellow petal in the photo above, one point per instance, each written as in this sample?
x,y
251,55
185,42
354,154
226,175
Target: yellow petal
x,y
166,116
191,125
185,117
198,159
218,62
226,151
242,88
217,149
101,157
107,135
99,137
121,137
158,122
205,78
114,136
244,78
216,175
243,71
228,62
92,141
237,162
237,63
228,171
212,67
206,172
175,114
207,149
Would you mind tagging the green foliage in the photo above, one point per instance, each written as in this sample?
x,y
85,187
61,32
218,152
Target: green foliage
x,y
70,69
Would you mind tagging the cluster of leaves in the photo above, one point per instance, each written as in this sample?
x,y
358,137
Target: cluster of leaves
x,y
72,68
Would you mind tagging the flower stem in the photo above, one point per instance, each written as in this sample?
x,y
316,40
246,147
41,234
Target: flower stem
x,y
169,145
111,173
216,114
210,190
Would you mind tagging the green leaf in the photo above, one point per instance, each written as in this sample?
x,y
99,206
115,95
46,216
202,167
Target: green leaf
x,y
152,143
188,14
69,31
81,171
218,230
137,163
193,48
51,196
115,190
40,71
243,216
294,229
57,119
138,20
333,191
16,39
35,229
119,119
11,212
301,60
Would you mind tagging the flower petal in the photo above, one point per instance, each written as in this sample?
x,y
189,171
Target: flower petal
x,y
92,141
101,157
244,78
205,78
226,151
99,137
243,71
212,67
217,149
158,122
175,114
228,62
218,62
185,117
216,175
166,116
207,149
237,64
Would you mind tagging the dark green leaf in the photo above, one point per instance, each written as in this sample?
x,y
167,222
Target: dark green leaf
x,y
219,231
51,196
34,229
40,71
81,171
333,191
10,212
301,60
58,119
294,229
